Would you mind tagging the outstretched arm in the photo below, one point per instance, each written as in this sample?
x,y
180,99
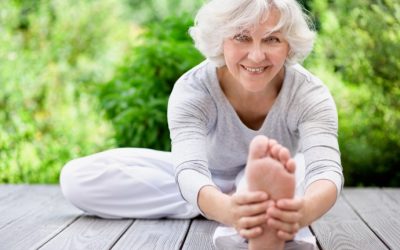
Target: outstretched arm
x,y
320,196
317,127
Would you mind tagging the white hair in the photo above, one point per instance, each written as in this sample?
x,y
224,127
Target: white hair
x,y
220,19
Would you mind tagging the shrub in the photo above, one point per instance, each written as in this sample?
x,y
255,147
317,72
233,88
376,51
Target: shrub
x,y
135,100
359,44
51,54
157,10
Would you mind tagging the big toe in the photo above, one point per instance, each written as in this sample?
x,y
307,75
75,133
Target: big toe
x,y
258,147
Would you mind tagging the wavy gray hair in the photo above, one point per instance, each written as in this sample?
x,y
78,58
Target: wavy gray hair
x,y
220,19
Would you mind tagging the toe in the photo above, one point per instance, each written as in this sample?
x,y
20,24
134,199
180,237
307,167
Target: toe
x,y
275,149
258,147
291,166
284,155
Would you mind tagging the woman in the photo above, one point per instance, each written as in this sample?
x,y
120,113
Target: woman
x,y
235,121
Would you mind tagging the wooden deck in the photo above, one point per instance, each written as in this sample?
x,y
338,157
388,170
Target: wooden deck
x,y
37,217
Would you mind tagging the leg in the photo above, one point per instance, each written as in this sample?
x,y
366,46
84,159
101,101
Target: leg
x,y
125,183
271,169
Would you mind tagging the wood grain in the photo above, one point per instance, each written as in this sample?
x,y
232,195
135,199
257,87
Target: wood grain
x,y
200,235
38,217
154,234
341,228
39,213
379,211
89,233
394,193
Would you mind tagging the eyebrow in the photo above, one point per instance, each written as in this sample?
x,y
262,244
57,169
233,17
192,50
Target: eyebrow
x,y
243,32
246,31
265,35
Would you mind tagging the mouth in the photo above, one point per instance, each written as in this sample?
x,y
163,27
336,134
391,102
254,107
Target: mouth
x,y
254,70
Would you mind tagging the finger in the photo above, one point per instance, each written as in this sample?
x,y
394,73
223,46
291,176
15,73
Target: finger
x,y
253,209
251,233
282,226
285,236
250,197
284,215
294,204
270,203
253,221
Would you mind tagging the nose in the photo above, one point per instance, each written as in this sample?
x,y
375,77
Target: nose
x,y
256,53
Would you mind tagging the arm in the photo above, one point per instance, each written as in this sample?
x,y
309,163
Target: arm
x,y
319,197
191,114
317,128
214,204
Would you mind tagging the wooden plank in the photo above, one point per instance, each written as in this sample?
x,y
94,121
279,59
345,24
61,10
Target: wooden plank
x,y
89,233
341,228
379,211
393,193
35,218
23,201
154,234
200,235
16,199
9,190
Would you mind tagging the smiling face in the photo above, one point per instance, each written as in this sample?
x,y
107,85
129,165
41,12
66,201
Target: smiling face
x,y
255,57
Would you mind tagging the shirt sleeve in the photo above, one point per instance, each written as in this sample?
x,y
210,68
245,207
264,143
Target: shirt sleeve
x,y
318,126
189,112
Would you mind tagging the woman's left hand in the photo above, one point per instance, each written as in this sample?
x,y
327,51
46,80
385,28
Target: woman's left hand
x,y
286,217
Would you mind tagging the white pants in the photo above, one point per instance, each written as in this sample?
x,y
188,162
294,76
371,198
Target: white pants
x,y
135,183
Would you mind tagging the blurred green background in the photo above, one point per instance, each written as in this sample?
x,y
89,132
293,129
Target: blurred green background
x,y
81,76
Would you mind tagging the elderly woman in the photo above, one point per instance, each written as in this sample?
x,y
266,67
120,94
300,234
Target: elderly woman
x,y
235,122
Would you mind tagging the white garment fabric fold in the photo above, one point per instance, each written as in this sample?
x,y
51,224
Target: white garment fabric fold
x,y
125,183
226,238
140,183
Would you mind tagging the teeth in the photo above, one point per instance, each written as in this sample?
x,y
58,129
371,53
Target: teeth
x,y
255,70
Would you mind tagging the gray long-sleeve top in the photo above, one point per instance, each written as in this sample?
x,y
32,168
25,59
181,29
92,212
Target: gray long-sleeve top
x,y
210,141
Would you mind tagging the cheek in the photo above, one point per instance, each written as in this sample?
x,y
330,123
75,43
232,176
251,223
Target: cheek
x,y
232,53
230,59
279,57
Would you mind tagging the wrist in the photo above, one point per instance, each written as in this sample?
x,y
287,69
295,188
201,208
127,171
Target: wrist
x,y
305,221
318,199
214,204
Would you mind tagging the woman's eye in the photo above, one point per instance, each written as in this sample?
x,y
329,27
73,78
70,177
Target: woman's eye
x,y
272,39
241,38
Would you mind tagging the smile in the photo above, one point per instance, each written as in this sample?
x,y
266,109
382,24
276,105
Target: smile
x,y
255,70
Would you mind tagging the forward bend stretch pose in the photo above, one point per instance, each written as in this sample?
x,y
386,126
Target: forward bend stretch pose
x,y
236,122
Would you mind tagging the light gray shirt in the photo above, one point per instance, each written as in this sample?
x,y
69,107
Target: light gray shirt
x,y
209,141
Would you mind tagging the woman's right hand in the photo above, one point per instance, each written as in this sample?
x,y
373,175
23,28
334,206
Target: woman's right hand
x,y
248,212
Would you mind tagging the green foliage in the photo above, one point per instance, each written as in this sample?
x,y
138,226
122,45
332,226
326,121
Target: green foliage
x,y
157,10
135,100
57,57
51,54
359,43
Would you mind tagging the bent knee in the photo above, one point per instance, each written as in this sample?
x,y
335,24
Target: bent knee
x,y
72,183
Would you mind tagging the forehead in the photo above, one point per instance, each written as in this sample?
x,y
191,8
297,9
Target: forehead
x,y
267,24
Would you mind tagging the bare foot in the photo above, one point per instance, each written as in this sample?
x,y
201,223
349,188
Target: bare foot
x,y
270,168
